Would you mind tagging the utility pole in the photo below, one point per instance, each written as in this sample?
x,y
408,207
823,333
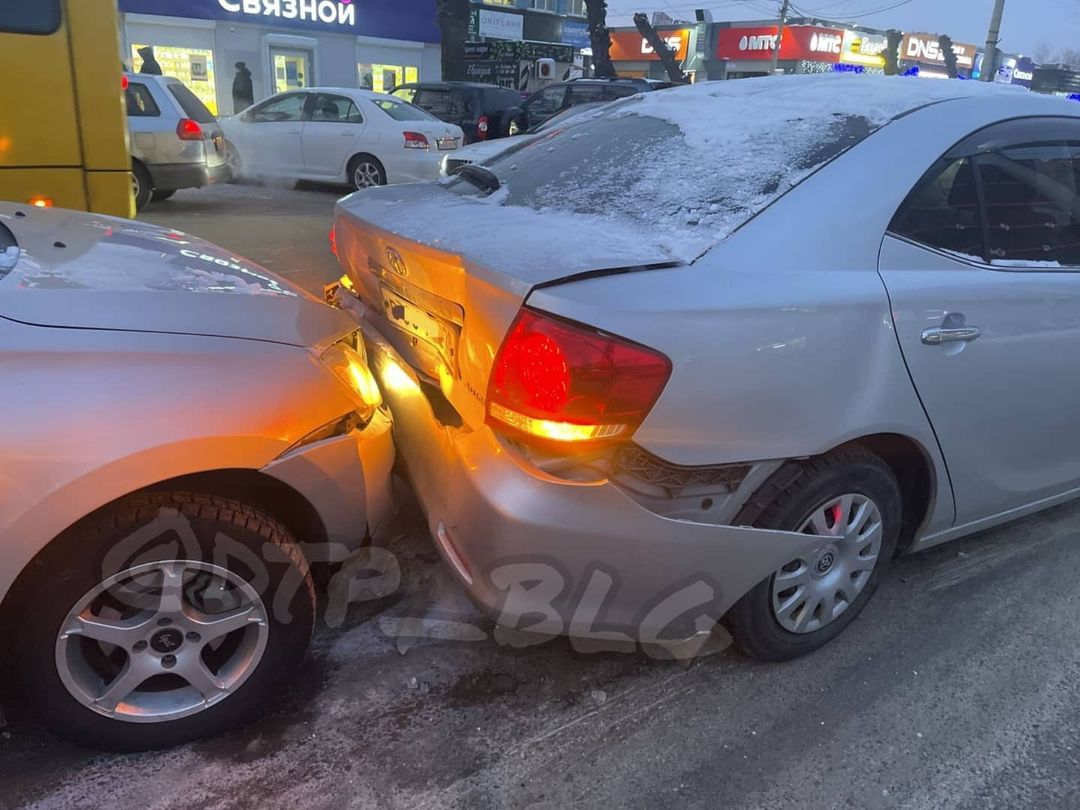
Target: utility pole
x,y
780,35
990,60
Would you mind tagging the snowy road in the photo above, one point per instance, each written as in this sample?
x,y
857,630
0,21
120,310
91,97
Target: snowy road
x,y
959,686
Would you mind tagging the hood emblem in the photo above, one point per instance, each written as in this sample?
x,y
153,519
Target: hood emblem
x,y
397,264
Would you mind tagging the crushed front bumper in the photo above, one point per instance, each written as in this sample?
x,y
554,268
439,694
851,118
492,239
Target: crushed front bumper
x,y
347,480
554,556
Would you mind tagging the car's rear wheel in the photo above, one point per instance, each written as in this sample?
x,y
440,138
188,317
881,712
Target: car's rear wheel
x,y
161,194
163,618
365,171
234,161
141,185
852,501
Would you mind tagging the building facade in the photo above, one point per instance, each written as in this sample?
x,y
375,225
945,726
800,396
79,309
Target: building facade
x,y
285,44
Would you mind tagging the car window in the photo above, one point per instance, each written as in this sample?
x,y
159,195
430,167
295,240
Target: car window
x,y
335,109
193,108
139,102
548,101
586,93
614,91
281,109
400,111
29,16
438,102
1032,204
406,93
943,211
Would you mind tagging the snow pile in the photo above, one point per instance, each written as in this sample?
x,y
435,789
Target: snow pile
x,y
8,258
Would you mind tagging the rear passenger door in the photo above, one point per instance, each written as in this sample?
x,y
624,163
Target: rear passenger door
x,y
982,266
144,120
331,135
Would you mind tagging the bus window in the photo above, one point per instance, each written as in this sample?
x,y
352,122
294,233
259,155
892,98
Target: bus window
x,y
29,16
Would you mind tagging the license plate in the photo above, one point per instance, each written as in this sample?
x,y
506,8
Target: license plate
x,y
446,144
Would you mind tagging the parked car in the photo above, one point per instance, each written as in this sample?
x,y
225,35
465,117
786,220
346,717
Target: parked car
x,y
555,98
485,150
790,327
338,134
483,111
176,142
185,436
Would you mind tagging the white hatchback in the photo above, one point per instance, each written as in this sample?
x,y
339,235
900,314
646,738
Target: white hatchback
x,y
337,134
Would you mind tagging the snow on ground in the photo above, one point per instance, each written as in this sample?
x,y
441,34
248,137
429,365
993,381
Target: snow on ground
x,y
657,177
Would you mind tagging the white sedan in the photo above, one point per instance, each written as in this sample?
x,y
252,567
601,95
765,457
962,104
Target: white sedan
x,y
337,134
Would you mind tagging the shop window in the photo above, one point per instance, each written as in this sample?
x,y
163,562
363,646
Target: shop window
x,y
192,66
29,16
292,69
280,110
384,78
576,8
545,5
335,110
139,102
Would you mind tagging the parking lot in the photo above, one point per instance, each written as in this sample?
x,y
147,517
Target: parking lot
x,y
959,685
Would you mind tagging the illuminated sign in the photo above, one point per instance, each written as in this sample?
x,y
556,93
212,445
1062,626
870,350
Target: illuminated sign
x,y
864,49
925,48
808,43
630,46
325,11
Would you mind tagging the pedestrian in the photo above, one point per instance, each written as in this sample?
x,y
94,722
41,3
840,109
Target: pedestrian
x,y
149,64
243,93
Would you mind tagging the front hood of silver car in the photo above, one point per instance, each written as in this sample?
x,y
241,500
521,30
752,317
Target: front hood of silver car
x,y
86,271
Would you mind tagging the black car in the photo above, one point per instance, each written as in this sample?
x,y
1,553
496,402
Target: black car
x,y
555,98
483,111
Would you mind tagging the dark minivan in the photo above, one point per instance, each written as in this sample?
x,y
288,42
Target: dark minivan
x,y
483,111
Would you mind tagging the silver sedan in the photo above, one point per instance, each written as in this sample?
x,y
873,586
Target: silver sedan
x,y
723,352
184,436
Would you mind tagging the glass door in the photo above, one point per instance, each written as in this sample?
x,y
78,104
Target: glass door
x,y
292,69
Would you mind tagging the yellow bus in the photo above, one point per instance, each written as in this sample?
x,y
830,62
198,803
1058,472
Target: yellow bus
x,y
63,132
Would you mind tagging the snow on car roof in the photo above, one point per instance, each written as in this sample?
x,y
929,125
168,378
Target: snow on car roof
x,y
667,174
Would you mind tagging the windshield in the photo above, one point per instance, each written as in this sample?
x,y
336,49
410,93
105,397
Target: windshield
x,y
193,108
402,111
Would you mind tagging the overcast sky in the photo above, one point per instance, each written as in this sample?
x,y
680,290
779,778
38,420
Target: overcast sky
x,y
1027,22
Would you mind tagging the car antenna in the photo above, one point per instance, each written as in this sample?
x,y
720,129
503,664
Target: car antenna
x,y
483,179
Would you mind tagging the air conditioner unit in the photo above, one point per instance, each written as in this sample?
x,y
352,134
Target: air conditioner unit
x,y
545,68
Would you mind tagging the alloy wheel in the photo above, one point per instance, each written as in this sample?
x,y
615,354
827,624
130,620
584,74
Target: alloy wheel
x,y
367,175
162,641
813,591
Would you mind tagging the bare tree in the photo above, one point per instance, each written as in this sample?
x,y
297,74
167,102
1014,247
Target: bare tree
x,y
657,43
945,43
1044,53
454,22
601,39
1070,57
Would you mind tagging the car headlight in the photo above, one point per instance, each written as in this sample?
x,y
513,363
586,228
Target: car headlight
x,y
347,360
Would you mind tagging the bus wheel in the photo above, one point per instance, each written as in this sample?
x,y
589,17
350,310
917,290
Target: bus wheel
x,y
141,186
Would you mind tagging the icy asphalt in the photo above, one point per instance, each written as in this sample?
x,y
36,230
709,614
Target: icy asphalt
x,y
958,686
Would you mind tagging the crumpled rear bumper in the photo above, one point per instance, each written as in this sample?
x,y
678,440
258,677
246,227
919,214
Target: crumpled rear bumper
x,y
555,556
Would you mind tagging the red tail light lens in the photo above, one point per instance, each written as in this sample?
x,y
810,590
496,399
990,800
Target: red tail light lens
x,y
333,240
560,383
416,140
482,128
188,130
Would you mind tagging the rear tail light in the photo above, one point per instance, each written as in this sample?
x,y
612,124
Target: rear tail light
x,y
482,128
559,383
332,236
124,82
416,140
188,130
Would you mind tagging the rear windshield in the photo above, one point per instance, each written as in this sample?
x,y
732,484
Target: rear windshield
x,y
189,102
400,111
437,102
645,169
29,16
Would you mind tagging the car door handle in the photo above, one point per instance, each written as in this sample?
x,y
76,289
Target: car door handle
x,y
939,335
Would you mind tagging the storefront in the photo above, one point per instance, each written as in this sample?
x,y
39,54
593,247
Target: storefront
x,y
516,48
923,51
635,58
748,51
286,44
863,52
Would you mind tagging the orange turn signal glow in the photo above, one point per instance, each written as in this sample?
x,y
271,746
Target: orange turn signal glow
x,y
550,429
40,201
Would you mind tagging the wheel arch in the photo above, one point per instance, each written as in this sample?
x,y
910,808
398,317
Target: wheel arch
x,y
351,162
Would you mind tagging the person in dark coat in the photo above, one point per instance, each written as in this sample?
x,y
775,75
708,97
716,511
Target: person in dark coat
x,y
149,63
243,94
